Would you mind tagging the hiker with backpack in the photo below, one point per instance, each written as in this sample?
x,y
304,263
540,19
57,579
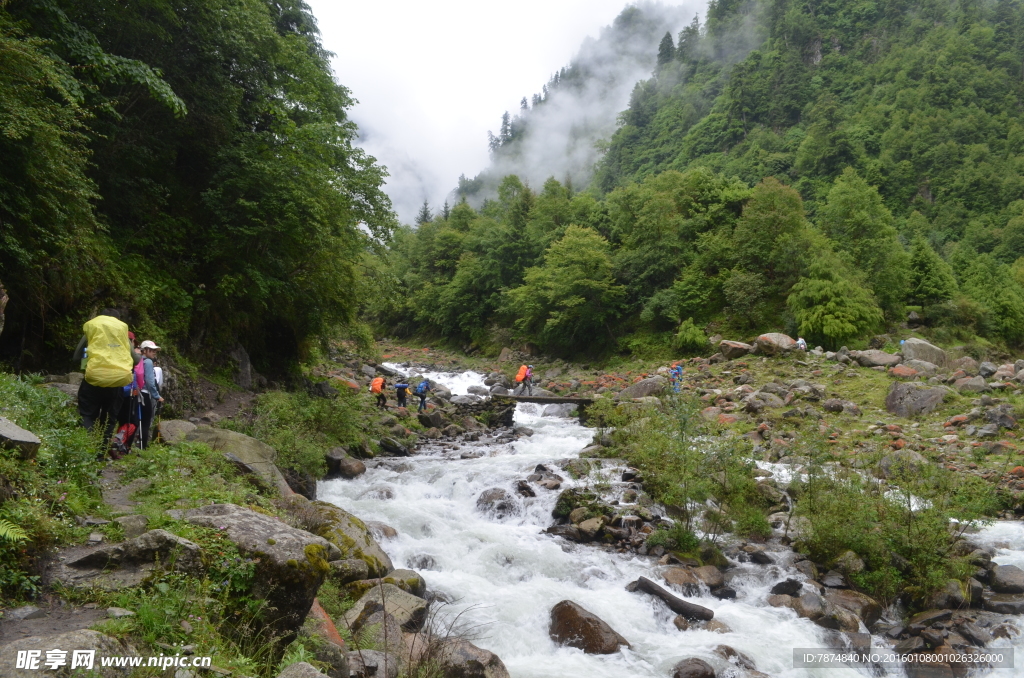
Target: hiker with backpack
x,y
524,377
377,387
150,390
422,389
109,363
401,392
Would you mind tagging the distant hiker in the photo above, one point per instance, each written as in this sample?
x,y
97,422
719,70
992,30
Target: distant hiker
x,y
524,377
801,345
107,370
675,377
421,390
377,387
401,392
150,388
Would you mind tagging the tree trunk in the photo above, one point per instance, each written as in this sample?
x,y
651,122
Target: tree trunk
x,y
3,305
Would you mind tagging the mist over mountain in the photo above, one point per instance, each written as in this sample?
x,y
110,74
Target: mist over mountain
x,y
559,130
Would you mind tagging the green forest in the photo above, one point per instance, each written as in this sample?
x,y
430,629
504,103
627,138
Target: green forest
x,y
190,163
863,162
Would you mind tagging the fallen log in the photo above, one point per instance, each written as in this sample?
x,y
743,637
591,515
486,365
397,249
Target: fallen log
x,y
677,605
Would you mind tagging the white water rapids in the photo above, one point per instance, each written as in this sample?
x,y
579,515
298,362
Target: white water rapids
x,y
505,575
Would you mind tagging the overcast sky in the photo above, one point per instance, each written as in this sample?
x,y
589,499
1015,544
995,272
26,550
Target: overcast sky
x,y
433,77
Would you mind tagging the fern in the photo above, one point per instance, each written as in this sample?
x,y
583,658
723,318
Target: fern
x,y
11,532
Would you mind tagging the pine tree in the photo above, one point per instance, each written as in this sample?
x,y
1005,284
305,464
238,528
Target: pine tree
x,y
424,216
666,50
505,135
830,306
524,105
931,278
688,39
446,211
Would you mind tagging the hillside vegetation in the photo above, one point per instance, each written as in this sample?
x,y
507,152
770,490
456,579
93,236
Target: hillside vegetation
x,y
863,161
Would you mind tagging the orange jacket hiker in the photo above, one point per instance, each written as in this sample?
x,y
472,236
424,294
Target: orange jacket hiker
x,y
376,385
521,374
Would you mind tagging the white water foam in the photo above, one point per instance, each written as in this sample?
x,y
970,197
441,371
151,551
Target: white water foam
x,y
505,575
456,382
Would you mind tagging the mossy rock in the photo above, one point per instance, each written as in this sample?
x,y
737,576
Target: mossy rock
x,y
352,537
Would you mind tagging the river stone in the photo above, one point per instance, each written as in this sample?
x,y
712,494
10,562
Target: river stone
x,y
849,563
300,670
1003,603
864,606
408,610
774,343
693,668
341,465
838,619
174,431
349,534
407,580
381,630
1007,579
347,571
431,419
249,455
13,437
734,656
372,664
498,503
809,605
908,399
652,386
24,612
575,626
975,634
710,576
919,349
462,659
972,385
950,597
292,563
83,639
683,579
393,447
901,462
589,529
875,358
922,367
733,349
789,587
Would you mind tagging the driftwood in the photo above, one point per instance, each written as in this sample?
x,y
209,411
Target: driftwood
x,y
677,605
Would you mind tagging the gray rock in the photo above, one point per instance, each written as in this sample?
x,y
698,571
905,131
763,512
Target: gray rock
x,y
84,639
133,526
875,358
24,612
987,369
174,431
341,465
380,629
972,385
249,455
292,563
1004,603
499,390
300,670
67,389
975,634
1007,579
920,350
469,399
372,664
462,659
922,366
498,502
693,668
13,437
577,627
119,612
652,386
477,390
393,447
408,610
774,343
129,563
347,571
809,605
346,532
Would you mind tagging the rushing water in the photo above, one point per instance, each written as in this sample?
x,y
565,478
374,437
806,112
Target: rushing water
x,y
504,576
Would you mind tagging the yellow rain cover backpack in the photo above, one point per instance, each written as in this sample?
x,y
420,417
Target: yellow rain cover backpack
x,y
110,358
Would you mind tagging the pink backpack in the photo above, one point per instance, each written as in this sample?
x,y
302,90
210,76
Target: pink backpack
x,y
140,375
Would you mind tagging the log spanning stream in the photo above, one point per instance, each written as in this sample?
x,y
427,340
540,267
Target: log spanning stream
x,y
504,575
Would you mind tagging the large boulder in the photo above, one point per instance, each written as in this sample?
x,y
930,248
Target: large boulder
x,y
174,431
972,385
1007,579
577,627
908,399
864,606
919,349
407,580
498,502
408,610
84,649
341,465
112,567
249,455
13,437
693,668
774,343
875,358
462,659
652,386
292,563
342,529
301,670
922,366
372,664
733,349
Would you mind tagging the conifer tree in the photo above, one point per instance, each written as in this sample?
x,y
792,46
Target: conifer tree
x,y
666,50
830,306
446,211
931,278
424,216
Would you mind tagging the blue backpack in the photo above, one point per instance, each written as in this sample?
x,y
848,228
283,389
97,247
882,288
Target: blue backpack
x,y
422,387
